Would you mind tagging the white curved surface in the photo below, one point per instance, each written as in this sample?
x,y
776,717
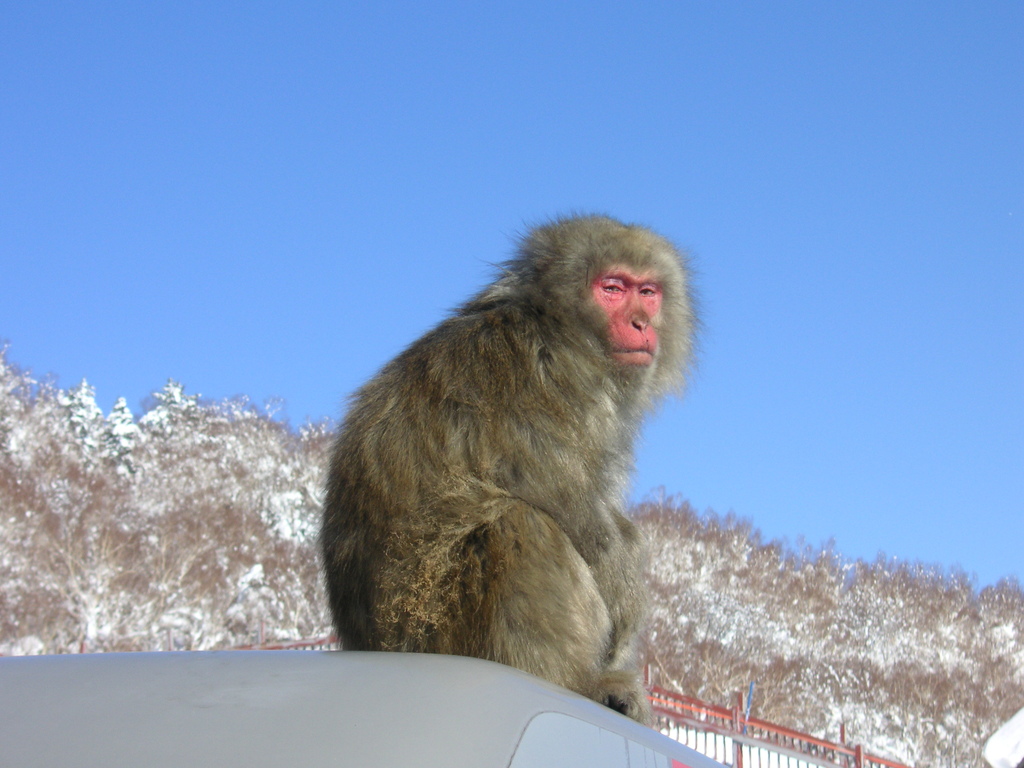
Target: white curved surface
x,y
1005,747
285,708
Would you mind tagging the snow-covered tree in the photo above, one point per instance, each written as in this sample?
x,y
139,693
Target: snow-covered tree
x,y
83,413
13,398
84,416
120,436
173,407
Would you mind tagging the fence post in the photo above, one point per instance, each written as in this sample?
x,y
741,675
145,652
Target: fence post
x,y
737,728
858,756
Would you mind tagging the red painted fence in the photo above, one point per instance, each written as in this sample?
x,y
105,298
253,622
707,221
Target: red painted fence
x,y
728,736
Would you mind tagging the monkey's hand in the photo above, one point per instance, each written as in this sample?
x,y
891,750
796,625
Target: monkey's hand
x,y
622,691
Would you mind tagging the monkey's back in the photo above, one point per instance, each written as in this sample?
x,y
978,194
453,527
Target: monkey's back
x,y
485,407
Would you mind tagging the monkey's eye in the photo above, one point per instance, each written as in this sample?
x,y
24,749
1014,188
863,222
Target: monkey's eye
x,y
613,286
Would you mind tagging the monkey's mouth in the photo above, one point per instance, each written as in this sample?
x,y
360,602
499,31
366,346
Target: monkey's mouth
x,y
633,356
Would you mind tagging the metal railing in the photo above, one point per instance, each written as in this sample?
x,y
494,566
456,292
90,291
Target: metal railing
x,y
730,737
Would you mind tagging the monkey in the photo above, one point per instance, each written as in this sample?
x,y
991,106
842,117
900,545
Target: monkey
x,y
475,493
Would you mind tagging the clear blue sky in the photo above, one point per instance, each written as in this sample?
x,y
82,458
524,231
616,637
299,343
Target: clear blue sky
x,y
272,199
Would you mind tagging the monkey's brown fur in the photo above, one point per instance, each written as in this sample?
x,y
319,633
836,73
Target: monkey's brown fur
x,y
474,499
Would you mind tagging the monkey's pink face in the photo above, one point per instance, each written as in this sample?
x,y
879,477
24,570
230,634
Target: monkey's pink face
x,y
631,302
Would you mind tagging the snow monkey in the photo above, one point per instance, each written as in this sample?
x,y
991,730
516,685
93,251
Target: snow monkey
x,y
475,493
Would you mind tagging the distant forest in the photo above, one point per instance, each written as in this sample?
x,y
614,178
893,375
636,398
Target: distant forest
x,y
195,523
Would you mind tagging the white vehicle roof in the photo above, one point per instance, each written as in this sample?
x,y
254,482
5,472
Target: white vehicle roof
x,y
288,708
1005,747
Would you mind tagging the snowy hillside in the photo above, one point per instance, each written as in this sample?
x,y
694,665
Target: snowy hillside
x,y
190,526
918,665
194,524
